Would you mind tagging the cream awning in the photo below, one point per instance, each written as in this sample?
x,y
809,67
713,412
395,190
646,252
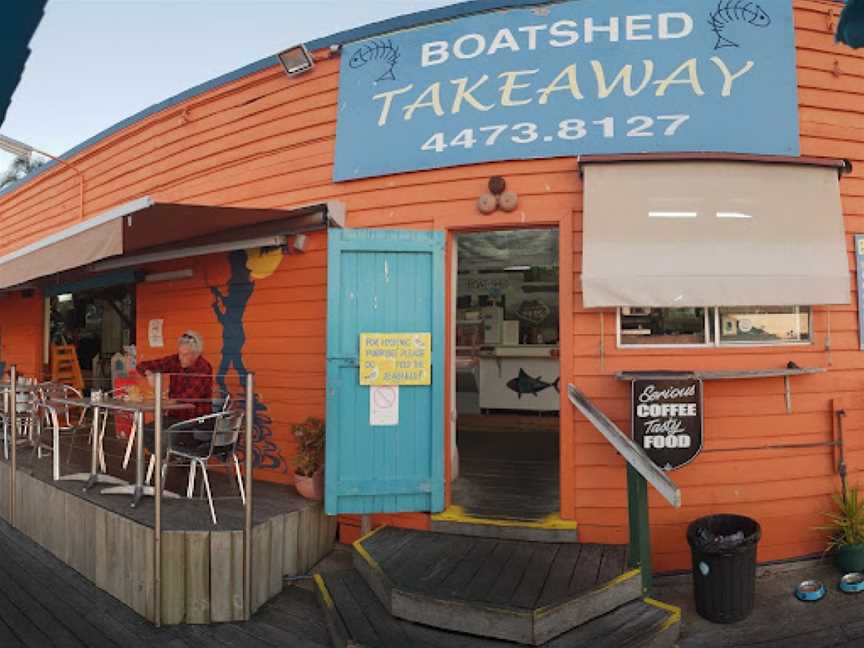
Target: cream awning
x,y
712,233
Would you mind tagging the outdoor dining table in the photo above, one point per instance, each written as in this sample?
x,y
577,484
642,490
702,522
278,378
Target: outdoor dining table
x,y
137,409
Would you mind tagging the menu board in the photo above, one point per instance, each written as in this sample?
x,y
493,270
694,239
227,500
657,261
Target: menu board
x,y
395,358
667,420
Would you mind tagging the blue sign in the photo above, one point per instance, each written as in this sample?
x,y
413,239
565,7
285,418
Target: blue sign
x,y
859,267
586,77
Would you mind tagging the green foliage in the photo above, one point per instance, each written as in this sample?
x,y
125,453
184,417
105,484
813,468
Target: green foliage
x,y
847,522
310,446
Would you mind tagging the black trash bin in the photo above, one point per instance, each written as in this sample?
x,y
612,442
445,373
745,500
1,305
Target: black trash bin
x,y
724,565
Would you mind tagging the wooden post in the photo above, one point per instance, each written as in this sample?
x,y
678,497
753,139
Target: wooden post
x,y
13,433
640,535
157,497
247,527
365,524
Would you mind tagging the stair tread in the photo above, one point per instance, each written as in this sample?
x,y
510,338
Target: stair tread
x,y
513,574
357,615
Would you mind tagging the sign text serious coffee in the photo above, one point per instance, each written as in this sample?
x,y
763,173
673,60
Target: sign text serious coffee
x,y
667,420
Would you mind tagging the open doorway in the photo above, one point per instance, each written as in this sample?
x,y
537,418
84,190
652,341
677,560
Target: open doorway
x,y
507,365
97,323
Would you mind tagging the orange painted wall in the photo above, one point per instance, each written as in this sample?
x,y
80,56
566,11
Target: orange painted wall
x,y
21,317
267,141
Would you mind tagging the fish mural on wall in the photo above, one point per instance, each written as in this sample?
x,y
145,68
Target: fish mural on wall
x,y
525,384
229,308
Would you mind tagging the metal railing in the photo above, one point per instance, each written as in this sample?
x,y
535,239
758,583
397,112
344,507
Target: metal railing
x,y
11,407
640,471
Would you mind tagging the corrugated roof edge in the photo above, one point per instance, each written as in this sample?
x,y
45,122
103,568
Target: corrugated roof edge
x,y
397,23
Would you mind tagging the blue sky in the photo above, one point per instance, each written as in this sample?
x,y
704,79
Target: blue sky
x,y
96,62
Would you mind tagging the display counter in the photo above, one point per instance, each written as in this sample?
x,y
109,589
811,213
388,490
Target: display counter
x,y
519,377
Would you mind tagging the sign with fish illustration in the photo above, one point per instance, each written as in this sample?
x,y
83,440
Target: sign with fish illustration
x,y
525,384
667,420
530,383
583,77
395,358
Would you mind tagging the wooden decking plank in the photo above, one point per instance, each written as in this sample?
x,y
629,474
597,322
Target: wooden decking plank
x,y
587,567
23,627
273,636
7,637
528,591
612,564
558,582
478,588
66,619
511,575
441,570
418,557
388,551
389,631
349,609
455,584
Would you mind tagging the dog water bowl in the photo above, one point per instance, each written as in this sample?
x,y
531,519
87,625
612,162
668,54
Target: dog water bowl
x,y
809,590
852,583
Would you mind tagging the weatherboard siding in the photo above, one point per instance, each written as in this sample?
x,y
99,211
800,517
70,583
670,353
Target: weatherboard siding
x,y
264,140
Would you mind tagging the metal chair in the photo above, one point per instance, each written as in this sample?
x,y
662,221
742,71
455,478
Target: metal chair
x,y
27,415
223,437
62,418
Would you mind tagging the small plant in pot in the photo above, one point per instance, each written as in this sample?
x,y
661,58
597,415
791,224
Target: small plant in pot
x,y
309,462
847,531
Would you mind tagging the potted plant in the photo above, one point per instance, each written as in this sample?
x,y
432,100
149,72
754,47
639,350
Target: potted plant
x,y
847,531
309,462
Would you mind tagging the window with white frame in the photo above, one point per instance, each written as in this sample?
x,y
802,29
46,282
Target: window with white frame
x,y
720,326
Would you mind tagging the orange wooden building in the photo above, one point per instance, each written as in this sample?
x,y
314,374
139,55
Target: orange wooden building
x,y
262,143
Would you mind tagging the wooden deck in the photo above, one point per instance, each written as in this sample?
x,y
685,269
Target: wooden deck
x,y
44,603
524,591
111,544
355,617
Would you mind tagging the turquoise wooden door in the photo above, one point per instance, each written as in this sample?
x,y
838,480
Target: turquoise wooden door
x,y
383,281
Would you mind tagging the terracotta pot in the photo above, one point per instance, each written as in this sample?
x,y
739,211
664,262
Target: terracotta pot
x,y
850,558
310,487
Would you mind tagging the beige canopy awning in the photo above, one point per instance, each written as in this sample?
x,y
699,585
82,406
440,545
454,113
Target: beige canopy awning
x,y
712,233
144,230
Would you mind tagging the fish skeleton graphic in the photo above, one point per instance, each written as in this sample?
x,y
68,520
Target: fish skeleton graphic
x,y
525,384
735,11
377,50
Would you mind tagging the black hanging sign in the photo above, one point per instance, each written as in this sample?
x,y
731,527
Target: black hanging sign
x,y
667,420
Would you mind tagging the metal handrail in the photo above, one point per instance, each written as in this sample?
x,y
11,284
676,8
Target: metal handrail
x,y
640,471
632,453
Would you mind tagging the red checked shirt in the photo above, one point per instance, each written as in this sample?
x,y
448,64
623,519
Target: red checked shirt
x,y
193,384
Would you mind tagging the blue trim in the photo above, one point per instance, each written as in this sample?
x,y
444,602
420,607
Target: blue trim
x,y
106,280
391,24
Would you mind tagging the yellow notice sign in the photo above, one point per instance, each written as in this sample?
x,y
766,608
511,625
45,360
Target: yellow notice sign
x,y
395,358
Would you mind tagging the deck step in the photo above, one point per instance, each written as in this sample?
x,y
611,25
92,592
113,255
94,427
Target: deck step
x,y
457,521
355,618
525,592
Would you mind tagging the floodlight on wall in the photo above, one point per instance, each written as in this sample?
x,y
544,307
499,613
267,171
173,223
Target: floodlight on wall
x,y
65,297
24,151
296,60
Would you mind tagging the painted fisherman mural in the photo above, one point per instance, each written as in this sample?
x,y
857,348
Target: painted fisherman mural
x,y
230,307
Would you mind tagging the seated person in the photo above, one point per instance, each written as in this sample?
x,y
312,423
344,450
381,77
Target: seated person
x,y
190,381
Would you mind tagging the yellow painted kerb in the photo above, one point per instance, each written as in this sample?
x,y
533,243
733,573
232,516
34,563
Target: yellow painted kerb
x,y
673,610
368,535
458,514
620,579
361,550
325,593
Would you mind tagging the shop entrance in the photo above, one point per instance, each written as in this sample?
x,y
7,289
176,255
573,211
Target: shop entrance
x,y
98,323
505,459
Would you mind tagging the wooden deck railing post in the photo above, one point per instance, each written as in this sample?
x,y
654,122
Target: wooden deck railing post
x,y
157,497
639,553
247,527
13,438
